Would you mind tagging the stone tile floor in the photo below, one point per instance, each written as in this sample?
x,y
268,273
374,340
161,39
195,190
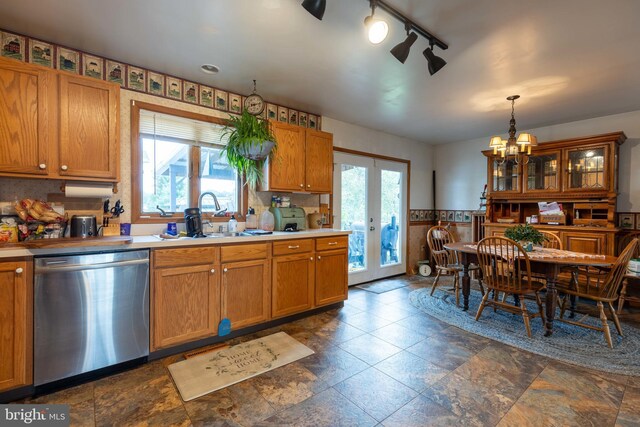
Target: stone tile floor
x,y
378,361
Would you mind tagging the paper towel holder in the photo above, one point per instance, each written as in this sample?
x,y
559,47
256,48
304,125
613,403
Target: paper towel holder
x,y
64,184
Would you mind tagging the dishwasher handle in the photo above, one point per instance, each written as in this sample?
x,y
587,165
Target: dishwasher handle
x,y
80,267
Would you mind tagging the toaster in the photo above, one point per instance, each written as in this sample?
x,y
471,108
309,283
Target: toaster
x,y
289,219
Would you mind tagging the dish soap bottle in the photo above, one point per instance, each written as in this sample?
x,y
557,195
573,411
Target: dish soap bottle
x,y
233,225
252,219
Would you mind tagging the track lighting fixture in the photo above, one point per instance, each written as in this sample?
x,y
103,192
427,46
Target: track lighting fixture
x,y
377,29
434,63
401,50
315,7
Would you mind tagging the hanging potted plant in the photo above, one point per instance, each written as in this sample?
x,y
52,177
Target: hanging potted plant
x,y
249,143
526,235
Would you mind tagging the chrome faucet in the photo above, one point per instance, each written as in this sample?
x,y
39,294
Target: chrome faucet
x,y
215,200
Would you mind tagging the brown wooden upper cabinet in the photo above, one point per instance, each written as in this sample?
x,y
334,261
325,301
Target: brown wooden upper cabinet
x,y
504,177
542,172
89,115
57,125
588,168
24,118
303,161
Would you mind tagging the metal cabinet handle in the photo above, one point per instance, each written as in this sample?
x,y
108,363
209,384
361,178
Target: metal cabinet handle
x,y
308,185
294,247
302,185
42,166
213,270
319,257
64,167
19,270
225,270
311,259
332,243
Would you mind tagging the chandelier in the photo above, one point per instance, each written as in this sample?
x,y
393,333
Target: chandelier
x,y
518,149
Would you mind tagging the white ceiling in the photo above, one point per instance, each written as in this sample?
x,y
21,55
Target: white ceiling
x,y
568,59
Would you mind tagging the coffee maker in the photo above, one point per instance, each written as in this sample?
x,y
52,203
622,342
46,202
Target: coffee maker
x,y
193,222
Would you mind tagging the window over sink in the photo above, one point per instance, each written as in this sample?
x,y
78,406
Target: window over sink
x,y
176,157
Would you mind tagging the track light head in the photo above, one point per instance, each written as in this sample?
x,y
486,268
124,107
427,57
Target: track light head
x,y
401,50
434,63
315,7
377,29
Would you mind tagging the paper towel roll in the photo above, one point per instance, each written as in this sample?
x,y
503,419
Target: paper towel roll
x,y
88,190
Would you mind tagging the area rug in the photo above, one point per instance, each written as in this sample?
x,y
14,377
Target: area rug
x,y
206,373
382,286
569,343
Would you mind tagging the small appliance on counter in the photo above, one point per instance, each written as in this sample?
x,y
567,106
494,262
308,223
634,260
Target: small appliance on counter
x,y
289,219
193,222
83,226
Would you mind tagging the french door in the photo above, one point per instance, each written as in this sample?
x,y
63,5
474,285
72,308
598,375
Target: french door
x,y
370,200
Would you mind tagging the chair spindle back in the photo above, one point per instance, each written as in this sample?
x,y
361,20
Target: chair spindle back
x,y
505,265
437,237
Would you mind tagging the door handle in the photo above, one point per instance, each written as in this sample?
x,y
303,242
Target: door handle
x,y
372,228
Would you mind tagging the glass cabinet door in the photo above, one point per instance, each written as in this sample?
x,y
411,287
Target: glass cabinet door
x,y
505,176
542,172
586,169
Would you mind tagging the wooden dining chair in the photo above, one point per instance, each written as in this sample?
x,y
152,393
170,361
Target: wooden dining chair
x,y
446,261
551,240
601,288
629,278
506,268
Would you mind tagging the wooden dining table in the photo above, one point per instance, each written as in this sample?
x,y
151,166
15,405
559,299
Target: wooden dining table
x,y
548,263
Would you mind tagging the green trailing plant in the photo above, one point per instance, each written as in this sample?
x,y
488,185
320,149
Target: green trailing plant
x,y
524,233
249,143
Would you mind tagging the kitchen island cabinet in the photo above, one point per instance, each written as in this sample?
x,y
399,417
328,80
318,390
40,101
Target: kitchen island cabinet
x,y
16,323
185,295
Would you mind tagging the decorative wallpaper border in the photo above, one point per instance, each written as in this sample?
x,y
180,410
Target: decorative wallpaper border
x,y
426,215
131,77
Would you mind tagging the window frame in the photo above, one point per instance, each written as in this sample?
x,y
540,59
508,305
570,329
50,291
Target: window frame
x,y
139,217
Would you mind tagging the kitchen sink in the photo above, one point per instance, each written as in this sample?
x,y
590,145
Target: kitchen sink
x,y
228,234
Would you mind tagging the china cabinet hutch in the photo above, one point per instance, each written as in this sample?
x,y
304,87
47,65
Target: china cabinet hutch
x,y
579,173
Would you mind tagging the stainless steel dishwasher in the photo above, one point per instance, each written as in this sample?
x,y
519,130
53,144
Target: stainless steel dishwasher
x,y
91,311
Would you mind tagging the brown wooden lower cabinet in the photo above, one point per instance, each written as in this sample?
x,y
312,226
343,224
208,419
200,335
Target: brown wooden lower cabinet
x,y
589,243
16,324
293,277
331,276
246,292
186,304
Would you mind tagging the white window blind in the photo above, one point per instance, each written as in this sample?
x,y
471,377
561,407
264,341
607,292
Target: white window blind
x,y
188,130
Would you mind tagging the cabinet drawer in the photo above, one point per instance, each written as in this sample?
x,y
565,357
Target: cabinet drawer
x,y
244,252
184,256
327,243
292,247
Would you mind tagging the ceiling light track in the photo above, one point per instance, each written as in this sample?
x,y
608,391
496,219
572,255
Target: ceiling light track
x,y
380,4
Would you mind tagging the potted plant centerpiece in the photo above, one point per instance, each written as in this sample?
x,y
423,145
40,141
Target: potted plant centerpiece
x,y
526,235
249,143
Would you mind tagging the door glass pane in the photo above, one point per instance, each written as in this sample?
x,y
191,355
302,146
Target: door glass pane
x,y
354,213
586,168
542,172
219,178
164,175
391,191
505,176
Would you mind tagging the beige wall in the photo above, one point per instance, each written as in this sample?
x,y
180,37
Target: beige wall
x,y
461,169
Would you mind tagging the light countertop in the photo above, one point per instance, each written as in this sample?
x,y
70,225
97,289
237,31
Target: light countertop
x,y
155,242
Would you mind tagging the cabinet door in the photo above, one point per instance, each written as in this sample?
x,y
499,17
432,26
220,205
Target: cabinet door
x,y
587,169
542,172
89,116
287,165
246,292
504,178
16,325
331,277
292,284
24,119
588,243
319,161
186,303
